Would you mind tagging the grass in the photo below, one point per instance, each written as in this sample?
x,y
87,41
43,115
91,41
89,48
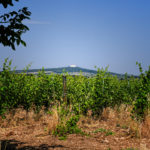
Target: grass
x,y
107,132
62,137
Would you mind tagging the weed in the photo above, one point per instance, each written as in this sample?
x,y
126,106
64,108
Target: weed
x,y
100,130
45,129
70,127
117,125
50,112
62,138
107,132
124,127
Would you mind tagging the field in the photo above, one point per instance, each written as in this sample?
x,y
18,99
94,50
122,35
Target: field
x,y
74,112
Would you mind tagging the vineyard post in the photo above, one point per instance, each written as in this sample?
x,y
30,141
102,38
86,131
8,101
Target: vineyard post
x,y
64,89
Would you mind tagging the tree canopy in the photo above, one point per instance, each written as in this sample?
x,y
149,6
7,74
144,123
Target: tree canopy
x,y
11,26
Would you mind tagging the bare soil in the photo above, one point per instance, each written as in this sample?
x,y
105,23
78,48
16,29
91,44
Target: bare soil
x,y
34,132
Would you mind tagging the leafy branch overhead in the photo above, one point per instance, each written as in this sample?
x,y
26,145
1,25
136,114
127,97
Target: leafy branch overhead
x,y
5,3
11,26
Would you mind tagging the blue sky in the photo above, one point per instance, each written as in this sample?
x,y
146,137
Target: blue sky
x,y
86,33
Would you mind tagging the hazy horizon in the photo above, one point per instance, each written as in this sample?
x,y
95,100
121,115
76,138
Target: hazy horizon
x,y
84,33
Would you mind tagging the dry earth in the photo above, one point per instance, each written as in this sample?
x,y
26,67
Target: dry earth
x,y
34,132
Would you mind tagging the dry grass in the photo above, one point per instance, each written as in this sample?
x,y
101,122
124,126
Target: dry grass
x,y
50,120
21,118
118,118
24,126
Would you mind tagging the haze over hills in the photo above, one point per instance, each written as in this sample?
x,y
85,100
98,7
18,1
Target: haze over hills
x,y
72,70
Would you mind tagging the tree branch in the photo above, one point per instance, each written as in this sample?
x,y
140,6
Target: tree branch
x,y
5,22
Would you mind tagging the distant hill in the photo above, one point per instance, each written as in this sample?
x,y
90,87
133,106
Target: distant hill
x,y
70,70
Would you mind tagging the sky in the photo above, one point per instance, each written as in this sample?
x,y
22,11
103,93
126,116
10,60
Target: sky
x,y
86,33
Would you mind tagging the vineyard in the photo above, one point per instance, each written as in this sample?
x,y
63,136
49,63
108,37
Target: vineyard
x,y
79,96
82,93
